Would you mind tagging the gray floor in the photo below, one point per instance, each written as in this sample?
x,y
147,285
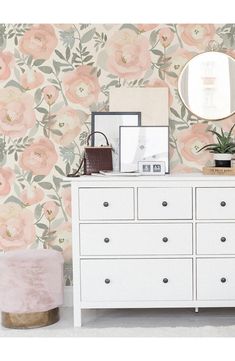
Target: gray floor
x,y
141,323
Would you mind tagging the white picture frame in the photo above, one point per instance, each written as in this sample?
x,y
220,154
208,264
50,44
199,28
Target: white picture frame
x,y
109,123
145,143
151,168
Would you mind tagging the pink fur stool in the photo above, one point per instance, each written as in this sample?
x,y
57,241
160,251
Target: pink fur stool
x,y
31,287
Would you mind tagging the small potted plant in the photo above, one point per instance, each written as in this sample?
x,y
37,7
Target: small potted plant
x,y
223,149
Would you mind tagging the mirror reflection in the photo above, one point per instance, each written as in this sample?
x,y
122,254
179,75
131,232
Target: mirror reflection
x,y
207,85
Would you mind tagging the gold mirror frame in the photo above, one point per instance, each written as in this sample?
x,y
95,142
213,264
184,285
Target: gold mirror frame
x,y
180,87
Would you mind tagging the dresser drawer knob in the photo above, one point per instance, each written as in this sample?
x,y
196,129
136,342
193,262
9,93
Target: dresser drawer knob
x,y
164,203
106,204
165,239
223,239
223,280
165,280
107,281
223,204
106,240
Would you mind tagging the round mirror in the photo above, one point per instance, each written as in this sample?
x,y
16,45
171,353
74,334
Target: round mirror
x,y
207,85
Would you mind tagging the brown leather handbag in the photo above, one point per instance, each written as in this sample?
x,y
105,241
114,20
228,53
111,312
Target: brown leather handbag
x,y
95,158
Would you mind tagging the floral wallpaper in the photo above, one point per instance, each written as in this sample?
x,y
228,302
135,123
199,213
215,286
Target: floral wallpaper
x,y
51,78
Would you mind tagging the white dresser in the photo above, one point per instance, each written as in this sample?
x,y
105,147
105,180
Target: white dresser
x,y
142,242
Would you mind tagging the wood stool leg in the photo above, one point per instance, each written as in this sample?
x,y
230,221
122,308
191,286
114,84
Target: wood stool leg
x,y
30,320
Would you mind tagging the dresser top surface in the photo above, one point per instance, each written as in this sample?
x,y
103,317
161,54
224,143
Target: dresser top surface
x,y
157,179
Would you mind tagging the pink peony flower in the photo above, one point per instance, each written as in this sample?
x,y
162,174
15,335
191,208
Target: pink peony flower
x,y
63,239
128,54
68,122
197,35
66,197
31,195
6,179
17,228
39,157
161,84
50,210
39,41
31,79
146,27
177,62
191,140
166,36
6,62
16,112
51,94
81,85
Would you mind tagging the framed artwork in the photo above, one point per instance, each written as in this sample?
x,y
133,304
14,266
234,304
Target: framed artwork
x,y
109,123
151,167
146,143
151,102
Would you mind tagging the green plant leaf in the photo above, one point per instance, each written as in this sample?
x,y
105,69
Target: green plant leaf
x,y
88,36
38,178
42,110
153,38
42,226
38,62
130,26
207,146
68,53
59,170
38,211
157,52
173,111
46,69
230,132
59,54
57,182
14,84
14,200
45,185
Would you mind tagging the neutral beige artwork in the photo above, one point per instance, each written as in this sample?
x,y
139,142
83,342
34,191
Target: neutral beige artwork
x,y
151,102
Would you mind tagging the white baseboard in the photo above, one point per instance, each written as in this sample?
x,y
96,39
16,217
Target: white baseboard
x,y
68,296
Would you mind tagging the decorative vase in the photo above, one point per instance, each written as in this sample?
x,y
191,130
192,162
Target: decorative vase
x,y
223,160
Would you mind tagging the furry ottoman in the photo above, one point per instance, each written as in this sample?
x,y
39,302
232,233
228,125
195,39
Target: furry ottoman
x,y
31,288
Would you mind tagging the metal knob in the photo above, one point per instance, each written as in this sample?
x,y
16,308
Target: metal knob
x,y
223,239
165,280
223,204
164,203
165,239
106,240
106,204
223,280
107,281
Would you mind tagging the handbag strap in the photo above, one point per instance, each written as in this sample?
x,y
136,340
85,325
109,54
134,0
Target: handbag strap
x,y
77,174
89,136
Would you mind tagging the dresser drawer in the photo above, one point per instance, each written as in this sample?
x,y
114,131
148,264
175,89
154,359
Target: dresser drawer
x,y
216,279
216,203
216,238
165,203
106,203
136,279
135,239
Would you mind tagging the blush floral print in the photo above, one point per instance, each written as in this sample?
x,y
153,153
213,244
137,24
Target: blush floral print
x,y
51,77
